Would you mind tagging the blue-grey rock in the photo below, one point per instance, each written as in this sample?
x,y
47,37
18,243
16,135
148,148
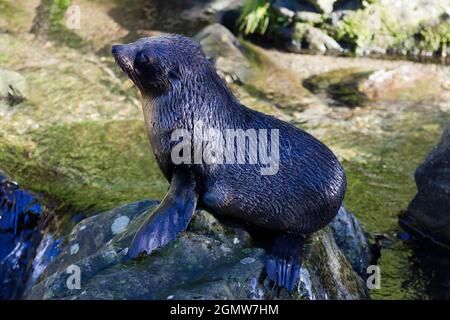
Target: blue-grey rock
x,y
211,260
352,240
428,214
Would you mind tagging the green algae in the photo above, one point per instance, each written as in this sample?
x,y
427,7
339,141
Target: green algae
x,y
87,166
12,16
345,87
341,85
379,162
435,37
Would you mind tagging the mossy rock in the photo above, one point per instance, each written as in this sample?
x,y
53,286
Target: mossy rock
x,y
211,260
226,52
354,88
341,86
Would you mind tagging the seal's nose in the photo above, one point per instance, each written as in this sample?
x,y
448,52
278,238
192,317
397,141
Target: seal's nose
x,y
116,49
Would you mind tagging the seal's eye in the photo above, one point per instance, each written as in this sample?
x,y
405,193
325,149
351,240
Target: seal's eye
x,y
145,62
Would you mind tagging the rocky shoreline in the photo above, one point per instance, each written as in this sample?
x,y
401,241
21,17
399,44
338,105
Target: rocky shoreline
x,y
211,260
386,27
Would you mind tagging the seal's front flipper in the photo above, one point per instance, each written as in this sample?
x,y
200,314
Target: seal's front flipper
x,y
284,260
170,218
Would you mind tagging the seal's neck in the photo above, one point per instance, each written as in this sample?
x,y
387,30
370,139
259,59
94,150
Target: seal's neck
x,y
203,96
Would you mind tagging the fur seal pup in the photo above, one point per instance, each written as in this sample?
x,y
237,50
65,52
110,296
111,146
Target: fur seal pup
x,y
180,88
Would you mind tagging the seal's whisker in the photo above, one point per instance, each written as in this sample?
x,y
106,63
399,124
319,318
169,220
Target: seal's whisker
x,y
127,67
130,71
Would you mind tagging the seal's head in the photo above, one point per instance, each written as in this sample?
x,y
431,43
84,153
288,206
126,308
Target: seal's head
x,y
156,64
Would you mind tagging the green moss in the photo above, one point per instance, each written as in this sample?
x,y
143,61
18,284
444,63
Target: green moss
x,y
346,87
300,30
317,260
434,38
13,17
376,27
3,58
87,166
373,26
341,85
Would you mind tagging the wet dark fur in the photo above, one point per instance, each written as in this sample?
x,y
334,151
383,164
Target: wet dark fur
x,y
179,86
302,197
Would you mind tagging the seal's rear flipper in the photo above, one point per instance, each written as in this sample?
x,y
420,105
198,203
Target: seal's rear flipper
x,y
170,218
284,260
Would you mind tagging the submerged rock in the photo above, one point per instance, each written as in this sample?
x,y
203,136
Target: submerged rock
x,y
211,260
405,83
428,214
357,87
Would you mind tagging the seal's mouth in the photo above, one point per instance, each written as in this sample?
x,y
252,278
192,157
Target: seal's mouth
x,y
125,62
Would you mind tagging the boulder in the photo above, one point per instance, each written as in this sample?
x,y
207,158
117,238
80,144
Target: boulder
x,y
211,260
307,37
355,87
404,82
308,17
284,8
192,15
288,8
392,26
221,46
428,214
13,87
325,6
418,27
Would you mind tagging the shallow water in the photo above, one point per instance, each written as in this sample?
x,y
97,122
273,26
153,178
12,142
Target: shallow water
x,y
381,185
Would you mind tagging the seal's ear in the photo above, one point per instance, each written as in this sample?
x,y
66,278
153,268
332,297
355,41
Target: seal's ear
x,y
174,74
